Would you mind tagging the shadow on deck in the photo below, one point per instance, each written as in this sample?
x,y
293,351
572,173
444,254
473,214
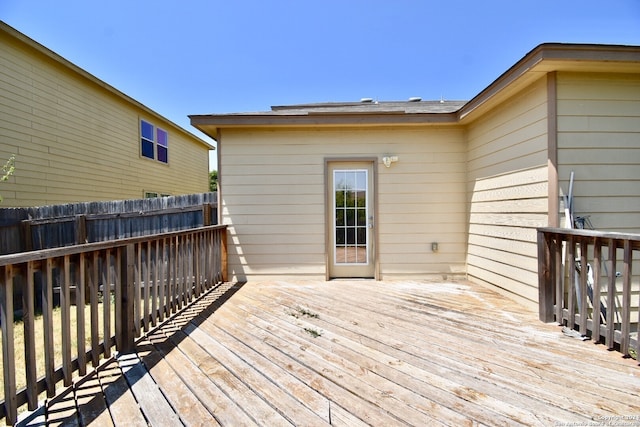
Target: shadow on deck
x,y
353,353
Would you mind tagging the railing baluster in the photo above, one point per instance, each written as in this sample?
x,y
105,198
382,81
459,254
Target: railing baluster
x,y
107,281
8,356
128,298
65,320
222,263
146,277
120,270
154,289
559,278
571,266
80,287
93,310
611,295
180,271
28,319
137,306
545,286
188,267
597,319
163,280
47,320
173,262
584,296
626,299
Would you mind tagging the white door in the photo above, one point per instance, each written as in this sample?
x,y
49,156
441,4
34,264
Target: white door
x,y
350,220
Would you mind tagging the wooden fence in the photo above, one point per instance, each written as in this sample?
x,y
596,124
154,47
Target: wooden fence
x,y
586,282
130,284
44,227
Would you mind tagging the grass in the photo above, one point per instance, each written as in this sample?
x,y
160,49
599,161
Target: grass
x,y
313,332
19,340
303,312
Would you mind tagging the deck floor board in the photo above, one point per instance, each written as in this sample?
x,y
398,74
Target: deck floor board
x,y
355,353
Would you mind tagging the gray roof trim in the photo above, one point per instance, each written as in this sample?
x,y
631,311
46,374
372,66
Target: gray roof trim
x,y
555,55
327,118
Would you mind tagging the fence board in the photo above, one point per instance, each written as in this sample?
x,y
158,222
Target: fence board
x,y
34,228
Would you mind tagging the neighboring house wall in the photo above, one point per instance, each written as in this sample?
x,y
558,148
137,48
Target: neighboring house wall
x,y
508,191
273,198
77,139
599,140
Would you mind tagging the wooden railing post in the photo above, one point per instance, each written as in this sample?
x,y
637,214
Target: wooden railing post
x,y
8,355
127,299
223,254
545,279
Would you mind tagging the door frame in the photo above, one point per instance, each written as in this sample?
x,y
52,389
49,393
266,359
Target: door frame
x,y
328,206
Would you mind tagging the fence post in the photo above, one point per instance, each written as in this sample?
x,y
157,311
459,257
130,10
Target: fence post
x,y
127,299
27,238
206,214
545,279
80,229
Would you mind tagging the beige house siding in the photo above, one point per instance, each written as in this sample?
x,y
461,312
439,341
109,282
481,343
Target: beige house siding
x,y
76,139
273,198
508,193
599,139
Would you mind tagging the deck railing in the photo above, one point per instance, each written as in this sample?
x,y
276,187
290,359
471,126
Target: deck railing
x,y
586,283
120,289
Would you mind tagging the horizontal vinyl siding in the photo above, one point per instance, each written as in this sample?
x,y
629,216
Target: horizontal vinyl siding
x,y
508,189
76,141
273,200
422,201
273,195
599,139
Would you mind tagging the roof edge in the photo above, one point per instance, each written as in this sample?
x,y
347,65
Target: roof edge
x,y
548,51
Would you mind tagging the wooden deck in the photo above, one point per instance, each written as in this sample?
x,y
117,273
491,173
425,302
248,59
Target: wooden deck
x,y
355,353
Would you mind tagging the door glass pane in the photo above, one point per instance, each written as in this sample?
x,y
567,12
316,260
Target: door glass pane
x,y
350,216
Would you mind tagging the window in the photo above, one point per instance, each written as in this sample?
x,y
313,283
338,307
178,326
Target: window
x,y
154,142
152,194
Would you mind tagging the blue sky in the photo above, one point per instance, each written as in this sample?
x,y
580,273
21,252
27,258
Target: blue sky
x,y
217,56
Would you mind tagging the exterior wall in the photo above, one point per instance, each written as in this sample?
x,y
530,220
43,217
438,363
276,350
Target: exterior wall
x,y
599,139
508,193
273,199
74,140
